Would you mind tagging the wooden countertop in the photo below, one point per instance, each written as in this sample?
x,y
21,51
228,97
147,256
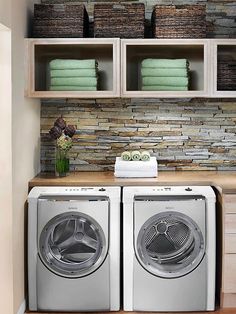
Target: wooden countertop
x,y
225,181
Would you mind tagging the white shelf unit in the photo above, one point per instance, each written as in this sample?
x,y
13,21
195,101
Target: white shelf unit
x,y
221,46
197,51
39,52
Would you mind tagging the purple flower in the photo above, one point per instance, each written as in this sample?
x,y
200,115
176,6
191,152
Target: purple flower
x,y
55,132
70,130
60,123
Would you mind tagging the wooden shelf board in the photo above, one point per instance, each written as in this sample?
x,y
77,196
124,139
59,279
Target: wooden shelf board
x,y
72,94
218,311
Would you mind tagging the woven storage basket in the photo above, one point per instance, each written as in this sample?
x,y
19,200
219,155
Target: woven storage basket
x,y
123,20
183,21
226,72
60,20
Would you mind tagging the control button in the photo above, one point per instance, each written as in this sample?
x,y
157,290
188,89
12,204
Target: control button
x,y
188,189
102,190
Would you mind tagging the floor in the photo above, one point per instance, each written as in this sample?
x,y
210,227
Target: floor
x,y
220,311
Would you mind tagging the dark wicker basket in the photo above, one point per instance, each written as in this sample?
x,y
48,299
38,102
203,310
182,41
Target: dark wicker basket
x,y
226,72
183,21
123,20
60,20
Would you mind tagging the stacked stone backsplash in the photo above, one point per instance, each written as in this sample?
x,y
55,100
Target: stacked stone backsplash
x,y
182,134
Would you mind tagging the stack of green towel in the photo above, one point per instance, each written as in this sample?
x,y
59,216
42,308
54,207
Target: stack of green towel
x,y
165,74
73,75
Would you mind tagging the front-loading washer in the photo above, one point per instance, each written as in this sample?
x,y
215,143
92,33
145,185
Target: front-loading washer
x,y
169,248
74,249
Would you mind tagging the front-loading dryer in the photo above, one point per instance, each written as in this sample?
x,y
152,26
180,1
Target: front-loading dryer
x,y
74,249
169,248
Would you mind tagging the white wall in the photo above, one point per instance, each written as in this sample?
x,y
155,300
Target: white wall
x,y
25,143
6,265
5,12
19,153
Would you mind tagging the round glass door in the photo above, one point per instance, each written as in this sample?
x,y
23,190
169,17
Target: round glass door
x,y
170,245
72,245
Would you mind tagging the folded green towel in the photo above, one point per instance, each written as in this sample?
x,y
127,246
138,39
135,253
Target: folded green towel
x,y
183,72
73,88
165,63
126,156
135,155
164,88
171,81
74,73
145,155
65,64
79,81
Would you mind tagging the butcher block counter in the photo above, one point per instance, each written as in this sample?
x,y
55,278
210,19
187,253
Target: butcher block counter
x,y
224,183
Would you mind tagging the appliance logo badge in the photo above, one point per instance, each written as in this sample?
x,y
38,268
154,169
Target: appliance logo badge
x,y
168,207
72,208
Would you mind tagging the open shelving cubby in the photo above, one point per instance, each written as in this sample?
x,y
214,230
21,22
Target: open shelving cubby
x,y
39,52
119,62
221,50
134,51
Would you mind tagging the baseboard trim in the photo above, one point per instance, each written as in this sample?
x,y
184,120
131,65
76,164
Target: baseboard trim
x,y
22,308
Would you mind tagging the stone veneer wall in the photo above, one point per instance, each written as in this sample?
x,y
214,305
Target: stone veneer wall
x,y
182,134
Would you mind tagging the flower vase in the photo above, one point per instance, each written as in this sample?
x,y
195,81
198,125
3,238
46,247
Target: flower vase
x,y
62,163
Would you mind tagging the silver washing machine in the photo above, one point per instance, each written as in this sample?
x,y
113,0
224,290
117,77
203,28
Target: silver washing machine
x,y
169,248
74,249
